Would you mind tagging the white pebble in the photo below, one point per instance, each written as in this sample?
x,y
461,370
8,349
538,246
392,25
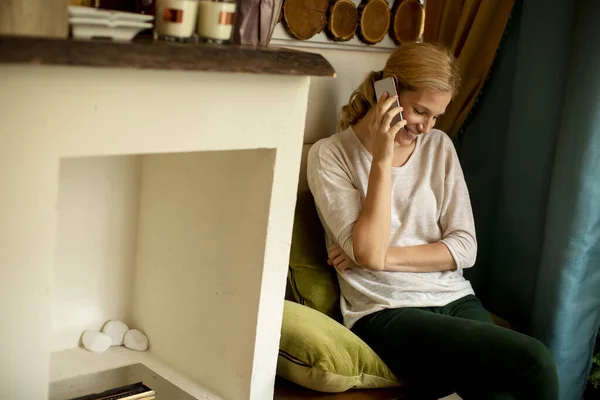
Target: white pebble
x,y
96,341
116,330
136,340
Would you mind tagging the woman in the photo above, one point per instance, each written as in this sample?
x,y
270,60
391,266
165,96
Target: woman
x,y
399,226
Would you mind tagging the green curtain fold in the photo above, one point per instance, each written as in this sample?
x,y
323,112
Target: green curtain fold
x,y
531,156
566,305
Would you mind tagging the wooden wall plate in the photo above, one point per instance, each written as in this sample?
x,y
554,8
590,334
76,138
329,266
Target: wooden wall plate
x,y
374,20
304,18
342,21
408,21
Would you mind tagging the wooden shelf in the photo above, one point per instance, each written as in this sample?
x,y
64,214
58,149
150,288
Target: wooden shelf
x,y
74,362
149,54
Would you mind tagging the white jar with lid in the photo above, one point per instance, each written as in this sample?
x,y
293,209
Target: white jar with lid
x,y
176,19
216,19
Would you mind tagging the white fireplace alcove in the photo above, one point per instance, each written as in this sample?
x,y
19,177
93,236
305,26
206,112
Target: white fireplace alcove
x,y
163,198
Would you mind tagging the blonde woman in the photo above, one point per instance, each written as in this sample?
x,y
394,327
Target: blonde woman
x,y
399,226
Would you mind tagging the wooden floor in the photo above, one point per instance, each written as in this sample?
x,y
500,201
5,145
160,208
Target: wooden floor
x,y
285,390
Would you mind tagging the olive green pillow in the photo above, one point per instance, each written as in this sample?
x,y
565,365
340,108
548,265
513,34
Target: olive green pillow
x,y
312,281
321,354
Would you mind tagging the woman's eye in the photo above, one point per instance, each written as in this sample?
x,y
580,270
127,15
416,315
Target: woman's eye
x,y
418,112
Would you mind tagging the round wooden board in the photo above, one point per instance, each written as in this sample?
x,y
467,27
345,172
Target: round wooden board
x,y
408,21
304,18
374,21
342,21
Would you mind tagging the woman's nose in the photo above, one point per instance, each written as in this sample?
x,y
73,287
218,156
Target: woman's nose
x,y
426,127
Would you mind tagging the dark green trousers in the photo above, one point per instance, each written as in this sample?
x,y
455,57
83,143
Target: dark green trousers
x,y
457,348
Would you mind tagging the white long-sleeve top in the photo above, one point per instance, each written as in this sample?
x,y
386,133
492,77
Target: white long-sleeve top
x,y
430,203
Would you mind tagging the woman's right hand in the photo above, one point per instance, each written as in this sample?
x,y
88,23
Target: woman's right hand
x,y
337,258
382,134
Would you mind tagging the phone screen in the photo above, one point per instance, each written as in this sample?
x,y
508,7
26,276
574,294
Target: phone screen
x,y
388,85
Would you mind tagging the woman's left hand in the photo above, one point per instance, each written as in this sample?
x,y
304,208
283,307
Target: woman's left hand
x,y
339,259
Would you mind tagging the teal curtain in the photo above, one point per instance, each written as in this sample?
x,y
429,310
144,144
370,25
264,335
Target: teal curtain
x,y
531,155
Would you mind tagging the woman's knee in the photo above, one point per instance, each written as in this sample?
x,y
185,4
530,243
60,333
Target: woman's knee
x,y
541,358
540,369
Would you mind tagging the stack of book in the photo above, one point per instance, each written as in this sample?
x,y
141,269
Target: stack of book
x,y
136,391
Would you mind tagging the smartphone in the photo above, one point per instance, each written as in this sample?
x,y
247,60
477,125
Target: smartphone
x,y
388,85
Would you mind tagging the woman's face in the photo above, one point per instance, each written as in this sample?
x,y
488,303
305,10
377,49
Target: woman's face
x,y
421,110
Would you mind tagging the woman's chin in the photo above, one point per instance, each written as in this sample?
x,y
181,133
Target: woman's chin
x,y
404,138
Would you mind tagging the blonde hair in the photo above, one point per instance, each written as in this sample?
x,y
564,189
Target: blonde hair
x,y
415,66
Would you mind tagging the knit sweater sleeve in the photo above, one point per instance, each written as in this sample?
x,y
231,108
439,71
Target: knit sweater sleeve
x,y
456,215
336,197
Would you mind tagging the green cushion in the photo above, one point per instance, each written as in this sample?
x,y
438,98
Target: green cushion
x,y
321,354
312,280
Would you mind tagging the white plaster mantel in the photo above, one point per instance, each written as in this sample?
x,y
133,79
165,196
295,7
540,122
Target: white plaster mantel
x,y
214,224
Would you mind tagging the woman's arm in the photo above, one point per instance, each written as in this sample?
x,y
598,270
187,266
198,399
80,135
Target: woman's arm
x,y
372,230
458,247
371,235
431,257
